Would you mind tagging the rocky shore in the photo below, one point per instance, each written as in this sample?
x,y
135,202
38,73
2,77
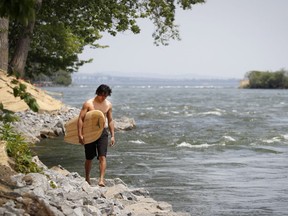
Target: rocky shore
x,y
36,126
59,192
56,191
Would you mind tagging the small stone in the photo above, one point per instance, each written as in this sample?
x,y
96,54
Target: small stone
x,y
28,180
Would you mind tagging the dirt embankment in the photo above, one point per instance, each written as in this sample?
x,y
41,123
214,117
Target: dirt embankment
x,y
45,101
46,104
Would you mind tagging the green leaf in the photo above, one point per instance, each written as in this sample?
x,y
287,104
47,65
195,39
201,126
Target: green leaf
x,y
16,91
22,87
14,81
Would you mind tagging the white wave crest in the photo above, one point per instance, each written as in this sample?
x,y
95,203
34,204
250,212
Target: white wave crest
x,y
273,140
175,112
217,113
83,86
189,114
229,138
137,141
164,113
188,145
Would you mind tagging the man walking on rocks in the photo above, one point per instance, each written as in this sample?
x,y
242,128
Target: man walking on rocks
x,y
99,147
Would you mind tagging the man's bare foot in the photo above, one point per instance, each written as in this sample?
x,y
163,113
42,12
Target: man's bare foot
x,y
88,180
101,183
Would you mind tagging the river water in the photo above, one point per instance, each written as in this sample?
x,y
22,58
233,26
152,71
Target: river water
x,y
208,149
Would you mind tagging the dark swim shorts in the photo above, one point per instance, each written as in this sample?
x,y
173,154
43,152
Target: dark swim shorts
x,y
98,147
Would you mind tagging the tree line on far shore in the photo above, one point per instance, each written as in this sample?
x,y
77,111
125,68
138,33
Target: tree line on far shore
x,y
267,79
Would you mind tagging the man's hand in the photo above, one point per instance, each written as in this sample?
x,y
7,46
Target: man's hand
x,y
112,141
81,140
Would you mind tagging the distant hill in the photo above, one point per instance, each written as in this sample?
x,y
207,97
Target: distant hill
x,y
85,79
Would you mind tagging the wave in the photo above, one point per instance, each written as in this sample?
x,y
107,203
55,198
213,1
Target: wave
x,y
217,113
272,140
175,112
229,138
188,145
164,113
190,87
149,108
83,86
137,141
266,150
189,114
285,136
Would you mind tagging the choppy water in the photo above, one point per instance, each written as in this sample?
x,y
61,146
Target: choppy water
x,y
206,150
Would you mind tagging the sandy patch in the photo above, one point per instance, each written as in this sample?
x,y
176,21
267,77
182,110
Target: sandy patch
x,y
45,101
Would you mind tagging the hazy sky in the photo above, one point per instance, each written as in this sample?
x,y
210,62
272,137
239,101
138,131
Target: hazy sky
x,y
220,39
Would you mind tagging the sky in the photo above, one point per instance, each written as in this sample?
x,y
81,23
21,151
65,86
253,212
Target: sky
x,y
221,39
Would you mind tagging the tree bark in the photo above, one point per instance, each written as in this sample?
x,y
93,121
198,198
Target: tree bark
x,y
4,45
18,61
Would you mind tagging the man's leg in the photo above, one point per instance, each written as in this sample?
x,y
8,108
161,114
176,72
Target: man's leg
x,y
88,166
102,169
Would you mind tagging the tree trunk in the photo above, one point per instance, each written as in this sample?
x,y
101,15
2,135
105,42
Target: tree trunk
x,y
18,61
4,46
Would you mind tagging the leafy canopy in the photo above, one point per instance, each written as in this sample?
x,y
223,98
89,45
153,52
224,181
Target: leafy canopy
x,y
64,27
20,10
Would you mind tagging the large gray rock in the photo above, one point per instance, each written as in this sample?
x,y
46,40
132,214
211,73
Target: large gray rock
x,y
124,123
65,193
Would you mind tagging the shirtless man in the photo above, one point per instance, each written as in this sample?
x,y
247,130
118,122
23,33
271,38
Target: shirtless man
x,y
99,147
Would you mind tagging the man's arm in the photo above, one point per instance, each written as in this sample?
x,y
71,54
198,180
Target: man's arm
x,y
111,125
81,117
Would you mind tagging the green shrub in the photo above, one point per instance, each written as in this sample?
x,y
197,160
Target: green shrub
x,y
6,115
268,80
19,150
16,146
